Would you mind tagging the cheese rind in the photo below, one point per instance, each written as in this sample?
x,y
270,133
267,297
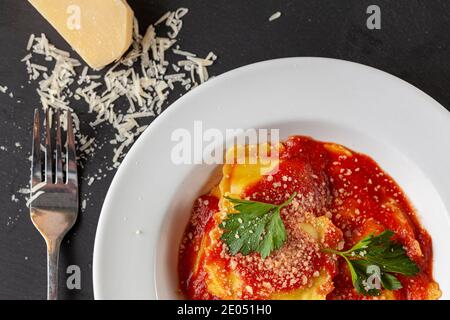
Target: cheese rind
x,y
100,31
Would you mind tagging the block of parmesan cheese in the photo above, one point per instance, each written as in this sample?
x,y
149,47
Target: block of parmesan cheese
x,y
99,30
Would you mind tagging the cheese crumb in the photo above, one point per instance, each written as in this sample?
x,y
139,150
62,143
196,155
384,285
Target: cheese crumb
x,y
275,16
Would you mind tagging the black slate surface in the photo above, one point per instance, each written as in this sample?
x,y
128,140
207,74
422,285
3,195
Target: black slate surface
x,y
413,44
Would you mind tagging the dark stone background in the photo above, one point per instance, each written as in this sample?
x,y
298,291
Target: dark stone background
x,y
413,44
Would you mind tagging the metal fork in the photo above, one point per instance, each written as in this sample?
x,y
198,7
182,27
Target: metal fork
x,y
54,201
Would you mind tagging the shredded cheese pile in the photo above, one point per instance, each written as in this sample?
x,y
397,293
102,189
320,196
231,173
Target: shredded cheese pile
x,y
125,97
143,78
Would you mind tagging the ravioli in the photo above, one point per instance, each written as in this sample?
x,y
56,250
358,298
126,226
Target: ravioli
x,y
299,270
341,197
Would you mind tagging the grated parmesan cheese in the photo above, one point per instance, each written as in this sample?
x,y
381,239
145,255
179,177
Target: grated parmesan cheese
x,y
275,16
91,181
123,97
34,197
141,78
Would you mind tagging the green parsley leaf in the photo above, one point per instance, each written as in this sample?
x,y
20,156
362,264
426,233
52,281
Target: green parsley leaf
x,y
390,282
377,254
256,227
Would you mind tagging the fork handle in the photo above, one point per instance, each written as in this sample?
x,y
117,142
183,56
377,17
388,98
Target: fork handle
x,y
52,268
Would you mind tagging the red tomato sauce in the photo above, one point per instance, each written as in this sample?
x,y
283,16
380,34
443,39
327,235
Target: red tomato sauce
x,y
350,189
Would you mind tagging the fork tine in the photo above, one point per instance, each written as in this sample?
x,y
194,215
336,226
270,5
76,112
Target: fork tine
x,y
58,151
71,160
48,148
36,166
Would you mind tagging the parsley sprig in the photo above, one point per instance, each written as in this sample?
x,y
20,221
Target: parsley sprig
x,y
256,227
377,258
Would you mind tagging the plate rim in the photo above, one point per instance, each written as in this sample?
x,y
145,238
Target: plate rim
x,y
173,108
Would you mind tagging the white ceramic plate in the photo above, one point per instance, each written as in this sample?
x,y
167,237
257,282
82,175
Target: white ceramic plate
x,y
403,129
